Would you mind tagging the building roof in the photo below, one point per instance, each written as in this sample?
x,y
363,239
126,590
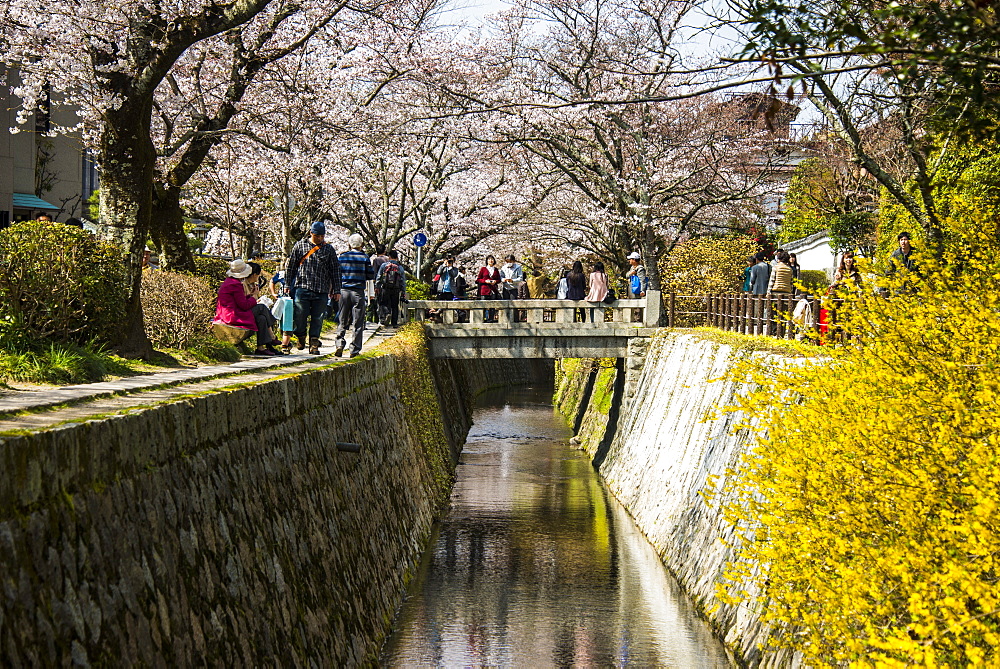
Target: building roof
x,y
812,241
25,201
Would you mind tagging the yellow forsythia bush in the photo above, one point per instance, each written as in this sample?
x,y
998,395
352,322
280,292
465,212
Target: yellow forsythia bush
x,y
868,511
704,266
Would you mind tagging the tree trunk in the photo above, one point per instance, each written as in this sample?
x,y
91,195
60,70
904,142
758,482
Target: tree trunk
x,y
650,248
127,162
168,231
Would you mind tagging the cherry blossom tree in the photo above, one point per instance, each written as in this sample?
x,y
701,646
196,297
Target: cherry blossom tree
x,y
107,59
596,91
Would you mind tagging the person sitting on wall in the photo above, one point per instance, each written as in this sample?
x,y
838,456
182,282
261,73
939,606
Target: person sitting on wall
x,y
237,305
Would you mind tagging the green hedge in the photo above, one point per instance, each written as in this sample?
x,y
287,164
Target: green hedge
x,y
60,283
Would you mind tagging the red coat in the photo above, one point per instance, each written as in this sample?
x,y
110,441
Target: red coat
x,y
234,305
487,273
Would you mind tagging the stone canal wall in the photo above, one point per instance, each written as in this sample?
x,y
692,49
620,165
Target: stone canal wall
x,y
227,528
656,448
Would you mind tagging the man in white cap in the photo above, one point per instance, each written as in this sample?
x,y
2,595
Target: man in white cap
x,y
312,278
636,276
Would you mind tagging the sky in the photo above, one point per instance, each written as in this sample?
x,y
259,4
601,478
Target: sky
x,y
700,41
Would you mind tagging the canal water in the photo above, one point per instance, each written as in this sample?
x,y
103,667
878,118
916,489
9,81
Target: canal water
x,y
537,565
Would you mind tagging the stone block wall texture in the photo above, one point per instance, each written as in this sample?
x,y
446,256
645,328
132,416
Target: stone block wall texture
x,y
224,528
660,461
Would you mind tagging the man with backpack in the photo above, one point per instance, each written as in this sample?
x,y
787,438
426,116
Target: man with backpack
x,y
390,284
636,276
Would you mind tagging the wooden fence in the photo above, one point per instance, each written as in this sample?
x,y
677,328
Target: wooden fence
x,y
770,315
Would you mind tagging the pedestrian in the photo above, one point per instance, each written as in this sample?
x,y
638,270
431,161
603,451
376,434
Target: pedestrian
x,y
793,262
312,278
847,272
390,282
598,289
355,272
576,282
283,308
780,281
562,288
903,256
236,305
461,284
488,280
511,277
374,303
760,275
576,288
538,285
636,276
447,279
746,273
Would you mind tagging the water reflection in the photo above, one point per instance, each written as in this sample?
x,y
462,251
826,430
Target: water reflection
x,y
535,565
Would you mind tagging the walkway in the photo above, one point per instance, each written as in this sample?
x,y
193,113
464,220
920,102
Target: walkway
x,y
77,401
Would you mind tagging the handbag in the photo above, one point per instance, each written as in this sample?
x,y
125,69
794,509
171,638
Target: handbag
x,y
609,298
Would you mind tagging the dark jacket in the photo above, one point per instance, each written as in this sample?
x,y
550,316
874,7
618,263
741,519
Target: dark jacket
x,y
760,274
897,259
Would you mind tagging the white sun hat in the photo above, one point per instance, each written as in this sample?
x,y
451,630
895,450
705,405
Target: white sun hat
x,y
633,256
239,269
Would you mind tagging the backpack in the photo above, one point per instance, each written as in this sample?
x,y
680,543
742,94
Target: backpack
x,y
635,284
392,278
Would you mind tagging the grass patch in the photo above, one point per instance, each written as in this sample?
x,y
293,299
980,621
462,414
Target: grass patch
x,y
67,363
744,342
60,363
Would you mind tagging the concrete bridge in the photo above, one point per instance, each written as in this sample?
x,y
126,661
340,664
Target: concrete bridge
x,y
469,329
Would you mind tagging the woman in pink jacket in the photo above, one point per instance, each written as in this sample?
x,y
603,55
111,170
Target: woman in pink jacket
x,y
237,305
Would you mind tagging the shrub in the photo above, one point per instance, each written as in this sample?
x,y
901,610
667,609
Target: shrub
x,y
867,511
211,269
703,266
814,281
61,283
417,290
177,307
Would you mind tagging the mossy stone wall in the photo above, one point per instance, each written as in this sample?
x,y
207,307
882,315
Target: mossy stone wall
x,y
228,529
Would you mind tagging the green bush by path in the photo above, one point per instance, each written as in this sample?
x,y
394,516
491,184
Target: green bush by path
x,y
60,283
211,269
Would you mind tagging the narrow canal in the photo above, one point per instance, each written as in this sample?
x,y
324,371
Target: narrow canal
x,y
537,565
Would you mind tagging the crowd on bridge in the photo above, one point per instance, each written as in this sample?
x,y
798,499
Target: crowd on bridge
x,y
511,281
316,283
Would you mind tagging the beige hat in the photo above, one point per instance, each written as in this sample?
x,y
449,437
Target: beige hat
x,y
239,269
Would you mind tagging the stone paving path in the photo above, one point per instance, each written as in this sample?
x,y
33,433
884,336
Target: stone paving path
x,y
160,385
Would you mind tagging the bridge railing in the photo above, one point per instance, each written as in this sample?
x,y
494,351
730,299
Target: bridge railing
x,y
770,315
546,313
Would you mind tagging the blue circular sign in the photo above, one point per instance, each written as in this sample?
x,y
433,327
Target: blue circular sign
x,y
420,239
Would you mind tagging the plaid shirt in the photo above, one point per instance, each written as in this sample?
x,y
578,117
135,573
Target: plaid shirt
x,y
320,272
